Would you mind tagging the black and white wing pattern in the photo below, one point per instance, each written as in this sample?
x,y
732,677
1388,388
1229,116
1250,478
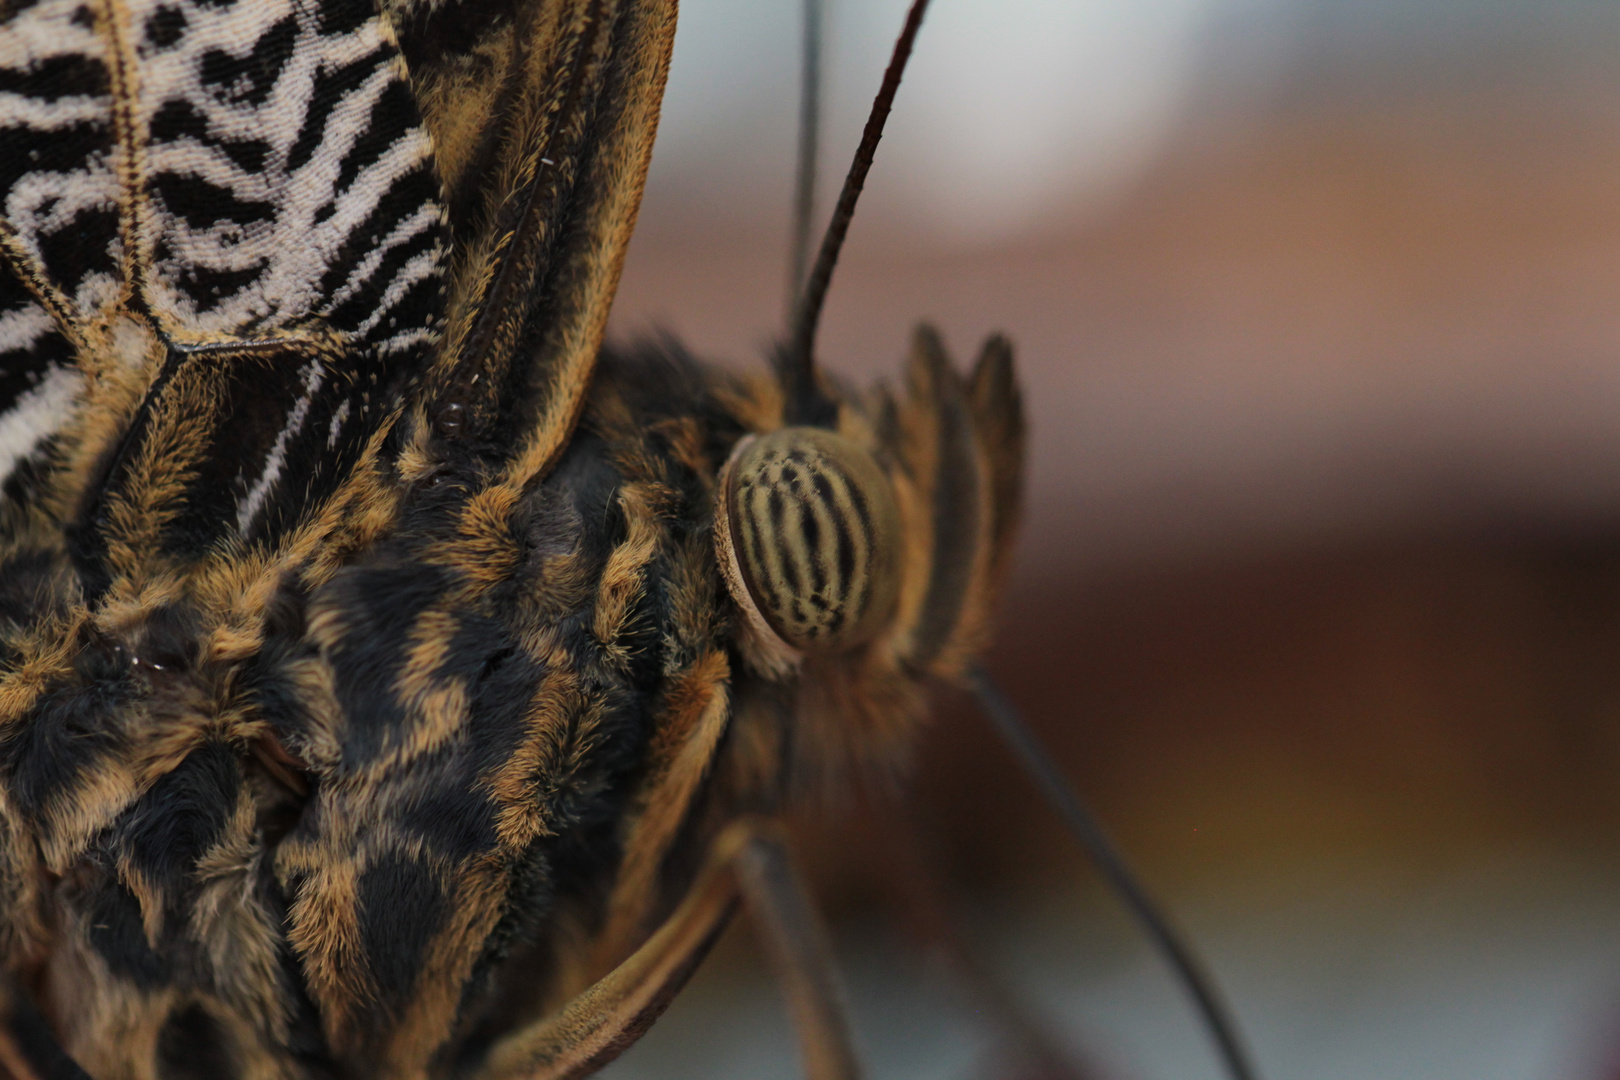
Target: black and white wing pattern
x,y
224,217
60,217
39,384
299,305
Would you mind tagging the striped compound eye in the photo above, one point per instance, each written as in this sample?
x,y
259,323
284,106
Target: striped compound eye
x,y
809,538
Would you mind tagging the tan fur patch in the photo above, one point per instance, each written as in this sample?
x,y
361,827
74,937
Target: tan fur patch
x,y
696,708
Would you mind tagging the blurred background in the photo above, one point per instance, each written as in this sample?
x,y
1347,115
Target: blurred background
x,y
1317,307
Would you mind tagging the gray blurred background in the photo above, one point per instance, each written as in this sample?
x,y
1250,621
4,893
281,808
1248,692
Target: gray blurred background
x,y
1317,307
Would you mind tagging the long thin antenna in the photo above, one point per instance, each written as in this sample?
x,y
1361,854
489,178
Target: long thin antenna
x,y
800,363
804,186
1110,860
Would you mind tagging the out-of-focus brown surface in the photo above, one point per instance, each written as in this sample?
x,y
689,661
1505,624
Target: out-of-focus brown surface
x,y
1419,700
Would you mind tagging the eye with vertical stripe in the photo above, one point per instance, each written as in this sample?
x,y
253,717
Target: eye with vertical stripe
x,y
808,537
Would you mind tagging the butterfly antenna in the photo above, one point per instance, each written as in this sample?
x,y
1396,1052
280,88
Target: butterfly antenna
x,y
1177,951
799,362
804,186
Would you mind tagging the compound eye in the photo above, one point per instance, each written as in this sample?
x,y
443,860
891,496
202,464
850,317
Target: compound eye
x,y
813,535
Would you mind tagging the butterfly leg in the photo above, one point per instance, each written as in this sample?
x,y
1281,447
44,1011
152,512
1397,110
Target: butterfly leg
x,y
748,864
796,943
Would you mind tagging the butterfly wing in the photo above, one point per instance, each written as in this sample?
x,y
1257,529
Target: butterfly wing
x,y
250,255
231,217
236,237
543,118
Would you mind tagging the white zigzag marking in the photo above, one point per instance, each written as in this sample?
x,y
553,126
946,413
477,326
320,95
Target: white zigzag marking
x,y
339,418
36,414
44,202
415,269
249,506
22,328
291,251
408,229
19,110
45,31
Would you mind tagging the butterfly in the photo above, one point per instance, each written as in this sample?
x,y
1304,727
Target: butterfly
x,y
395,680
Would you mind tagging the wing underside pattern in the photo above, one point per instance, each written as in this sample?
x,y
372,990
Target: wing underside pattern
x,y
38,382
305,689
250,185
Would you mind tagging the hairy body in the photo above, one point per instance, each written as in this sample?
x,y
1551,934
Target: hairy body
x,y
484,736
